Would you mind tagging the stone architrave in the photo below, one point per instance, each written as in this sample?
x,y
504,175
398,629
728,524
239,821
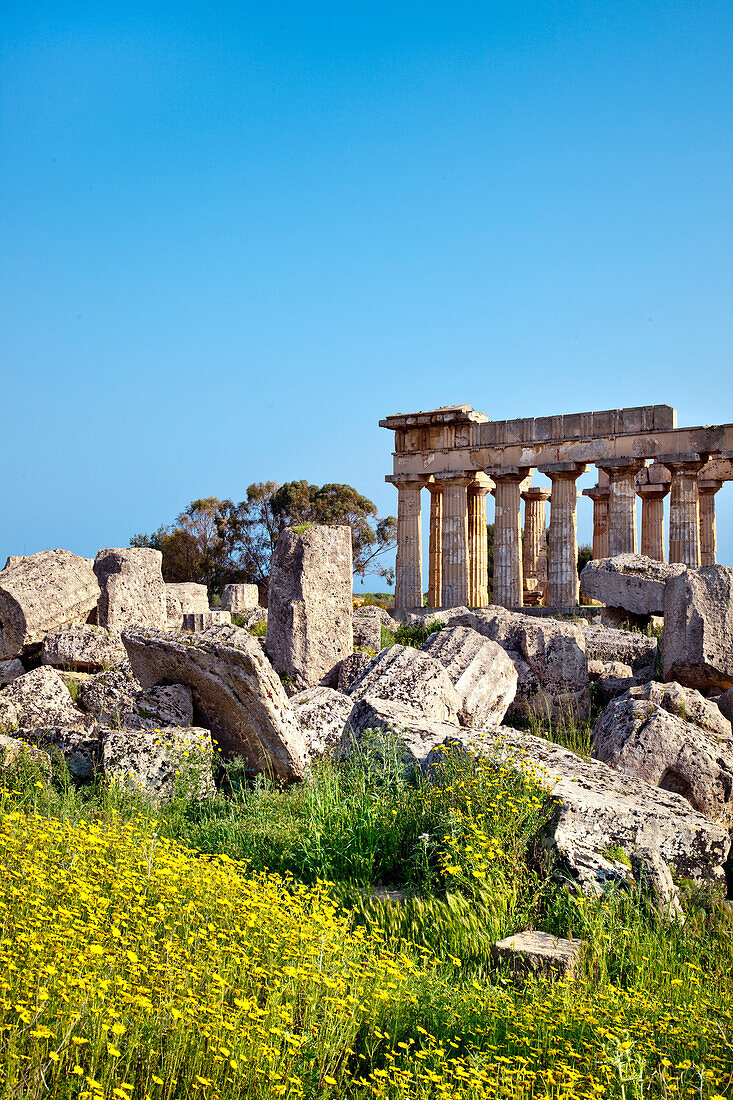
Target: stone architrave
x,y
481,671
563,551
508,581
629,581
435,546
478,551
621,474
235,692
708,531
684,507
43,592
534,545
408,566
239,597
697,640
310,607
455,541
132,589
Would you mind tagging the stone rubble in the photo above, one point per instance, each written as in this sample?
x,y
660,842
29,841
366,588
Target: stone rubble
x,y
480,670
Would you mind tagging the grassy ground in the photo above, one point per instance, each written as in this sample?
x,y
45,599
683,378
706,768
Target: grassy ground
x,y
232,947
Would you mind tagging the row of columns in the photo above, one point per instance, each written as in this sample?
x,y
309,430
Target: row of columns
x,y
458,551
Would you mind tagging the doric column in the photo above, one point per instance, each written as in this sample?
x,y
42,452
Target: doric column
x,y
708,533
408,570
508,585
599,494
534,545
622,504
455,540
435,552
563,559
684,508
652,519
478,551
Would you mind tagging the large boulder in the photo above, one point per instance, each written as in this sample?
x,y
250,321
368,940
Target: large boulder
x,y
117,700
481,671
10,670
321,713
160,764
549,657
38,698
674,738
697,640
401,674
132,588
604,643
236,693
309,625
43,592
239,597
82,648
629,581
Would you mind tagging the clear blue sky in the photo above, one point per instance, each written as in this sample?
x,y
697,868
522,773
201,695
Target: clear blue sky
x,y
235,235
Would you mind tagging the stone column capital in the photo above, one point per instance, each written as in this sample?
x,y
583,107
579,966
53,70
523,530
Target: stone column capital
x,y
563,470
621,466
508,473
709,487
657,491
406,481
683,463
536,493
597,492
449,479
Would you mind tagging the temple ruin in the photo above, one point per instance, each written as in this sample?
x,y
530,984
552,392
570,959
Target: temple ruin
x,y
460,456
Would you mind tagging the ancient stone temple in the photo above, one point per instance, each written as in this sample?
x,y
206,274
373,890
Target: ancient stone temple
x,y
461,457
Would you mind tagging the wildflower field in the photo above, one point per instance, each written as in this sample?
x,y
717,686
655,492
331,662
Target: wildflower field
x,y
231,947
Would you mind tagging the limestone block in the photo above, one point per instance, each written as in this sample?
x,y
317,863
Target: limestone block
x,y
198,621
193,598
321,713
12,749
481,671
539,953
83,648
603,643
43,592
401,674
239,597
725,704
133,589
351,668
367,633
309,625
10,670
173,610
674,738
160,763
39,698
629,581
236,693
697,640
78,746
549,657
116,700
373,611
420,734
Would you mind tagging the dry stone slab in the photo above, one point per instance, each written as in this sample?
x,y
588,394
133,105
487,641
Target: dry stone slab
x,y
629,581
697,640
549,656
481,671
604,643
321,713
43,592
352,668
39,697
161,763
117,700
539,953
309,625
401,674
236,693
132,588
10,670
239,597
82,647
674,738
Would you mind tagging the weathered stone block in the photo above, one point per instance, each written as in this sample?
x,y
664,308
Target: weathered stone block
x,y
10,670
367,633
540,953
83,648
419,733
309,625
629,581
39,697
401,674
697,640
193,598
199,621
160,763
236,693
43,592
239,597
132,589
603,643
321,713
352,668
481,671
116,699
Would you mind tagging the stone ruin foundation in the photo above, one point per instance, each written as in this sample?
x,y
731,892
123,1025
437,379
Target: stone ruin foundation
x,y
460,457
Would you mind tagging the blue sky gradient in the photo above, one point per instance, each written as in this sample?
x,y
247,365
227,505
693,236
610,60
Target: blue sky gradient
x,y
236,235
